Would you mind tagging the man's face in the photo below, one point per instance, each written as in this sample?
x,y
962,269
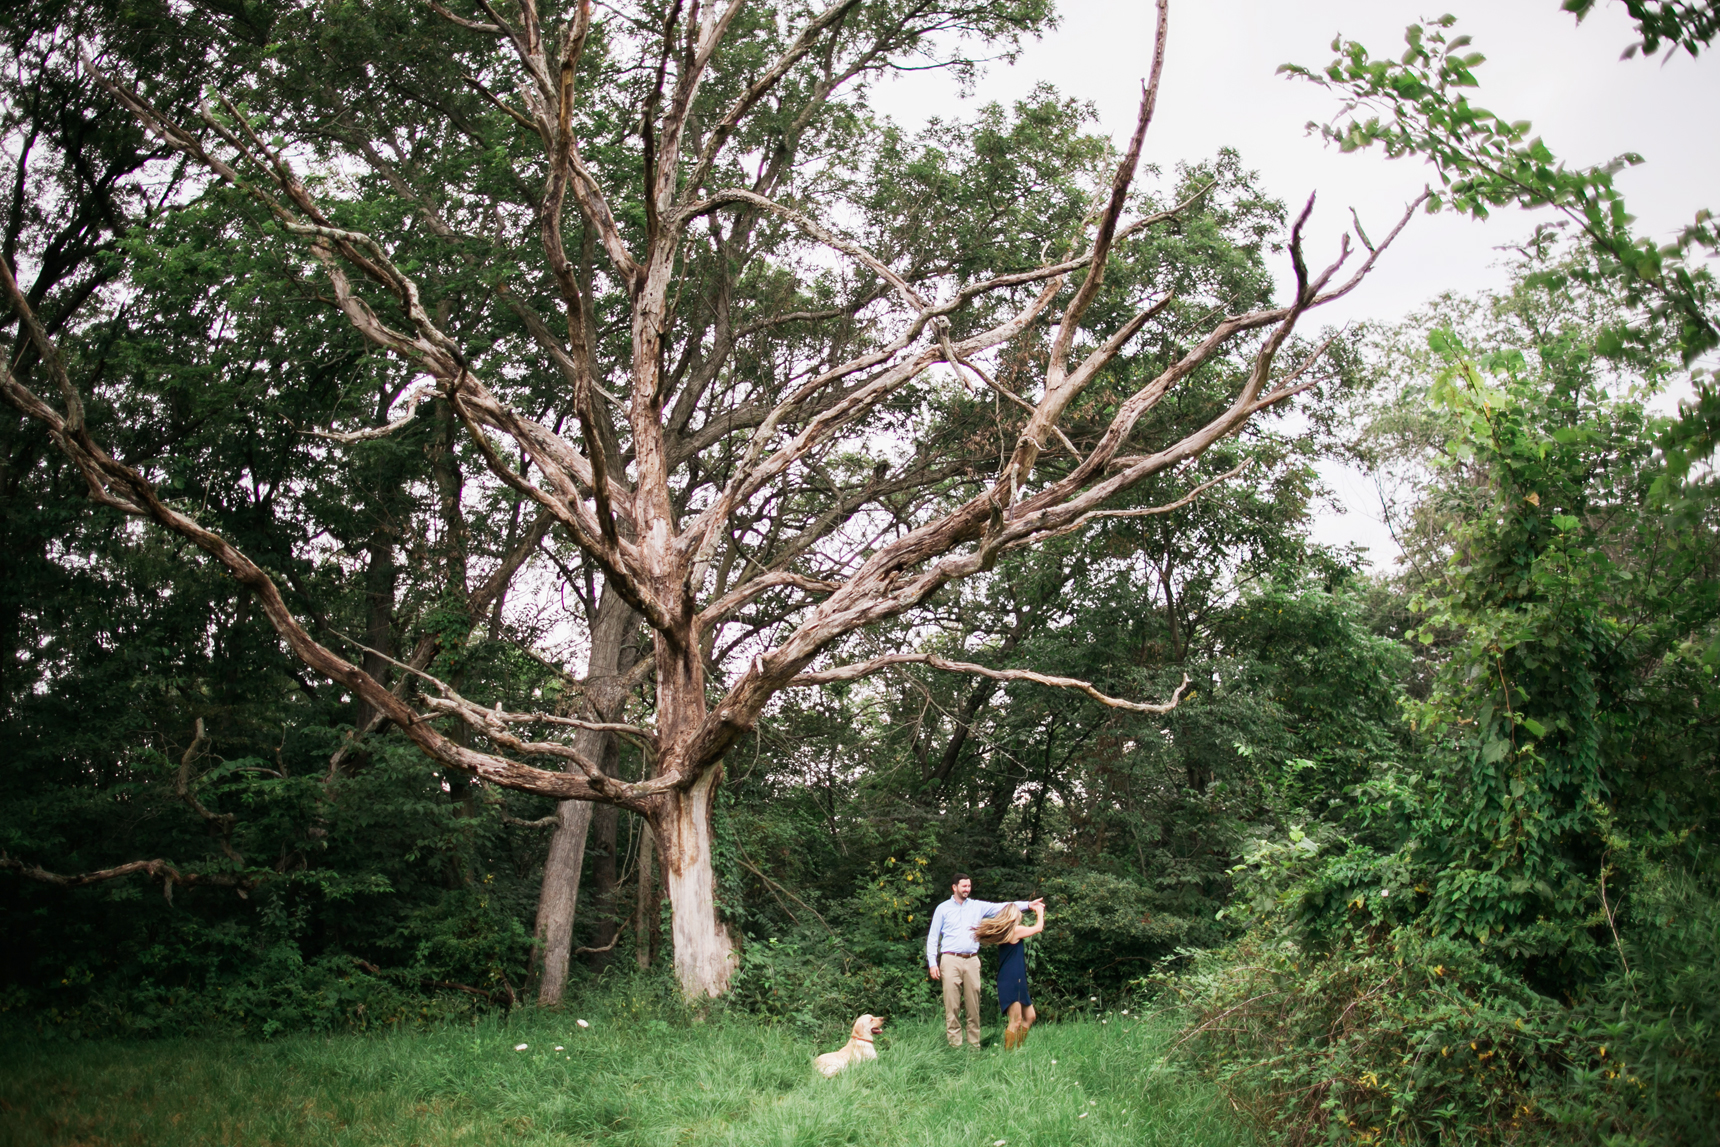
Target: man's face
x,y
962,889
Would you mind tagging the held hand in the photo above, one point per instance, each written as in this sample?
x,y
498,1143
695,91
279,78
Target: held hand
x,y
936,973
1037,905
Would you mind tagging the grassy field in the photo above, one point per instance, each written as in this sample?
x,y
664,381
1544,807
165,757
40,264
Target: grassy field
x,y
626,1079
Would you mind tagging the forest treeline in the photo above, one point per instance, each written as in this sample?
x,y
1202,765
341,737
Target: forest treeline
x,y
1423,852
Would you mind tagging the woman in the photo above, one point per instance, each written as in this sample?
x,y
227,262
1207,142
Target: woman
x,y
1007,931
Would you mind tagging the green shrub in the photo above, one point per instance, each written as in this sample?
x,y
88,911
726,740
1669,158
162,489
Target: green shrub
x,y
1403,1040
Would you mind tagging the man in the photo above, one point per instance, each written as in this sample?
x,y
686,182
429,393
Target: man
x,y
957,966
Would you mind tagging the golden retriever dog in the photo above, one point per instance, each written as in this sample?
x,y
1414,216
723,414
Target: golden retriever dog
x,y
859,1046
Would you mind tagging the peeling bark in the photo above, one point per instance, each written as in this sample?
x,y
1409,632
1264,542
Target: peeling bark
x,y
705,956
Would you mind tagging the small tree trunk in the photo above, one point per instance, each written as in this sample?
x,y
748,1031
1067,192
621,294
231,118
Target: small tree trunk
x,y
645,909
380,577
604,823
450,489
558,897
611,655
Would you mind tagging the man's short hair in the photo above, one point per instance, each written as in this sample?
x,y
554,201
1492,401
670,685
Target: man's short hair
x,y
958,878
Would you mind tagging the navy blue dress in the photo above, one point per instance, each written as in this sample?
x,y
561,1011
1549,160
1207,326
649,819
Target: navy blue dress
x,y
1012,976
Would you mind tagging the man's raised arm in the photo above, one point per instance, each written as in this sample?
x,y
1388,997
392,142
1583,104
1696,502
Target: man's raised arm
x,y
993,909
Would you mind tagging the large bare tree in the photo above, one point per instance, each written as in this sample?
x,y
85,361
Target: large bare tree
x,y
741,432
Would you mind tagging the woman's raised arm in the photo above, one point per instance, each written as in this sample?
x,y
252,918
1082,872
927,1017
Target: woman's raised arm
x,y
1023,931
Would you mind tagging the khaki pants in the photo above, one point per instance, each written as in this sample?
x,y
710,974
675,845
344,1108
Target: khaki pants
x,y
960,976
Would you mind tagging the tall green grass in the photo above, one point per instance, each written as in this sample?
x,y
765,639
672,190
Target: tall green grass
x,y
627,1079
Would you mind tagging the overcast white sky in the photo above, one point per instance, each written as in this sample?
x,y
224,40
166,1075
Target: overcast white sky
x,y
1220,89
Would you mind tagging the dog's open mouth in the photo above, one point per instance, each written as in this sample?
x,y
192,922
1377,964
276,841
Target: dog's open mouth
x,y
877,1026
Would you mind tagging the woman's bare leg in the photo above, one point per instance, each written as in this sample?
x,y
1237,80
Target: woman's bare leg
x,y
1014,1030
1022,1021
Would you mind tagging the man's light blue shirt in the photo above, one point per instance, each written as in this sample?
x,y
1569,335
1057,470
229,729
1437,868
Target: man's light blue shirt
x,y
953,925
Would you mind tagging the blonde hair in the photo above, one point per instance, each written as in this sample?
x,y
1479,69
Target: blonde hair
x,y
996,929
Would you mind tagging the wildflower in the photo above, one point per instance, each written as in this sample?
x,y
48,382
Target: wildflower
x,y
521,1046
558,1047
1083,1115
582,1023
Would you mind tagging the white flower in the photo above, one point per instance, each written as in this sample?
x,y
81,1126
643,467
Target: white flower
x,y
582,1023
1125,1011
1083,1115
521,1046
558,1047
998,1142
1092,1103
1092,999
1053,1061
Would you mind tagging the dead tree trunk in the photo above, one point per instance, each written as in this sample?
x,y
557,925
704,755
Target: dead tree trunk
x,y
681,821
704,952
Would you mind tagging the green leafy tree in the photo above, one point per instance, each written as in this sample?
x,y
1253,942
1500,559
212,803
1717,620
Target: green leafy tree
x,y
1452,954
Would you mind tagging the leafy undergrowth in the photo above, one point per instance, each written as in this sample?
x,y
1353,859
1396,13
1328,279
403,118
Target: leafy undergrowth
x,y
625,1079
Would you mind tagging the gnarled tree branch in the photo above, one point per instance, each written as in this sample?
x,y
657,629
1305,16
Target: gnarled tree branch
x,y
865,668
